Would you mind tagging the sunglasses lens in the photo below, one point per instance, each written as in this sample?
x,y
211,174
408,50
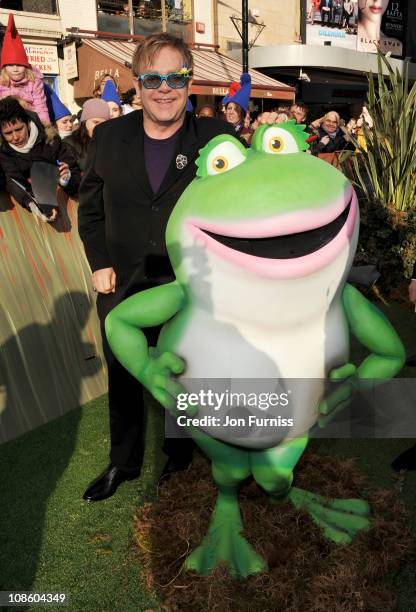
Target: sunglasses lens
x,y
151,81
176,81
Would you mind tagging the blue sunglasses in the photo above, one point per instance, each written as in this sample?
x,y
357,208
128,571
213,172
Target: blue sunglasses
x,y
174,80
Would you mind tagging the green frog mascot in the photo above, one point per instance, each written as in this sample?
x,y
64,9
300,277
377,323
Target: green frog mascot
x,y
261,243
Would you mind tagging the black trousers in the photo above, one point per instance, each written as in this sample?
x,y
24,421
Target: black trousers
x,y
126,394
326,17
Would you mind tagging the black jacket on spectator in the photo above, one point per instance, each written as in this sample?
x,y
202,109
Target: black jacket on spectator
x,y
335,144
76,150
17,165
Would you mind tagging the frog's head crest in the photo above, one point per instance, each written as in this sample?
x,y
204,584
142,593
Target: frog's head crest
x,y
225,152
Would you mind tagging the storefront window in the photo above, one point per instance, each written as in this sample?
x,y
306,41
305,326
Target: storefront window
x,y
147,9
47,7
14,5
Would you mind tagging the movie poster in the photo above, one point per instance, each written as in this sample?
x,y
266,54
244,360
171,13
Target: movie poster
x,y
332,22
359,25
381,23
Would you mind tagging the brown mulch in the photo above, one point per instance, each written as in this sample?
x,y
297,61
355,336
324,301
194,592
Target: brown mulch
x,y
306,572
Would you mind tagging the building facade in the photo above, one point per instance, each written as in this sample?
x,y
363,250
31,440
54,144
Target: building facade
x,y
329,61
43,25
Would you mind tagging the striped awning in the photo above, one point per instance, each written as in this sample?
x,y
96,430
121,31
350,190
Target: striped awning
x,y
213,72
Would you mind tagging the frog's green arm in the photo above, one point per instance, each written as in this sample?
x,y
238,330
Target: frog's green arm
x,y
145,309
374,331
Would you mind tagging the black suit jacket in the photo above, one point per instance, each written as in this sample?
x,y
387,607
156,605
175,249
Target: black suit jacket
x,y
122,222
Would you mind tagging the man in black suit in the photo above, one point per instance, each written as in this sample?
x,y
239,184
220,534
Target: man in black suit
x,y
326,12
137,168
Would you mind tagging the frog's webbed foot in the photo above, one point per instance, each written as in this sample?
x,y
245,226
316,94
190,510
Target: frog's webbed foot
x,y
340,519
224,542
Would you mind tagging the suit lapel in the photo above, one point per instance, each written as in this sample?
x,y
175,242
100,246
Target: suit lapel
x,y
133,139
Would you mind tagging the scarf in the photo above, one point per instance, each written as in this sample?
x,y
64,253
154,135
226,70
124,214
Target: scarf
x,y
330,134
63,135
33,134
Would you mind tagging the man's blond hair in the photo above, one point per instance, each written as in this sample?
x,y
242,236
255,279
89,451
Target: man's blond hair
x,y
152,45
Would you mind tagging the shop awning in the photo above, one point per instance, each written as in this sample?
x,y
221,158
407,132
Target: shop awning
x,y
213,72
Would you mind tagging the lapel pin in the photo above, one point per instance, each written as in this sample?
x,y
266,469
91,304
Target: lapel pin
x,y
181,161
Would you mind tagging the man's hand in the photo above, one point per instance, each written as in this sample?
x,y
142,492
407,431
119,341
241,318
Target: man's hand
x,y
64,174
53,216
104,280
412,291
40,215
266,118
325,140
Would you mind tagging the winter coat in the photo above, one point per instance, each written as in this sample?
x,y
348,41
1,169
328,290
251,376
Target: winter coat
x,y
335,144
76,150
50,149
31,92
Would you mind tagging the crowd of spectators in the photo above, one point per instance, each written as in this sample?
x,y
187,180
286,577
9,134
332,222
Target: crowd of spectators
x,y
36,126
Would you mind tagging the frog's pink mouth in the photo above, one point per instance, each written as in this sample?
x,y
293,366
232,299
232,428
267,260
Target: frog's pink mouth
x,y
286,246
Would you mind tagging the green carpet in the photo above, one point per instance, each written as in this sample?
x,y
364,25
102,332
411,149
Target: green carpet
x,y
53,541
50,539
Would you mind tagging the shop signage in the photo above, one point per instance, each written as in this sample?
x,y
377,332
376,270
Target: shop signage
x,y
44,57
70,59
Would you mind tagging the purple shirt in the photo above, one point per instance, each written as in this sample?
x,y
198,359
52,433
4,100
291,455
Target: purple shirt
x,y
158,155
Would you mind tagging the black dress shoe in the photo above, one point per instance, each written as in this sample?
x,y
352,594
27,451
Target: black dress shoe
x,y
405,461
107,483
172,466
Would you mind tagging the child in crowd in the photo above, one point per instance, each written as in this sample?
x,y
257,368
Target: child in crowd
x,y
94,112
100,84
112,98
17,77
60,115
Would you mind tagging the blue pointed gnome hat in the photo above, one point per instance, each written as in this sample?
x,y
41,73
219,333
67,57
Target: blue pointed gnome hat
x,y
240,93
56,108
110,93
189,106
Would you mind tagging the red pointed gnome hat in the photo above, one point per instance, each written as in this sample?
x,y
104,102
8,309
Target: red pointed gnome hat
x,y
13,51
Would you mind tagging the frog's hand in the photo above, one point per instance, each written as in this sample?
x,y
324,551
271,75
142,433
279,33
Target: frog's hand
x,y
158,377
339,519
370,326
129,344
340,398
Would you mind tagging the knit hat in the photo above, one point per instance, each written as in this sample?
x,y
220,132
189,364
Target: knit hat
x,y
239,92
56,108
95,108
13,51
110,93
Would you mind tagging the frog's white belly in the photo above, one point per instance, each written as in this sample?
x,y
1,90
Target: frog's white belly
x,y
230,356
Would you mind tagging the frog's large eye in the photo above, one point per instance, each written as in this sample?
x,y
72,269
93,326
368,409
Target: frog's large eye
x,y
224,157
277,140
